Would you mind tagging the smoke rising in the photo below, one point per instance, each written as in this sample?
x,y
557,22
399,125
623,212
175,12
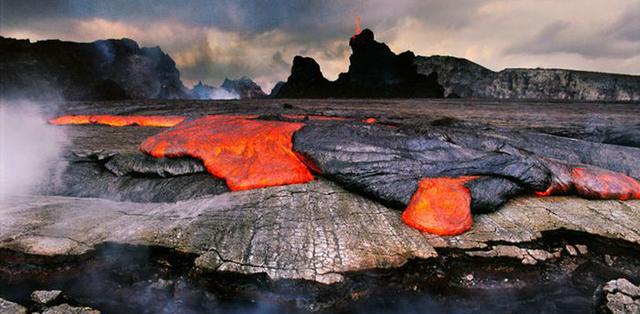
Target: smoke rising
x,y
29,147
221,93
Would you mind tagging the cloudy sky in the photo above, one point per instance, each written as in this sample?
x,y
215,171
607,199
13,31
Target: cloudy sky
x,y
211,39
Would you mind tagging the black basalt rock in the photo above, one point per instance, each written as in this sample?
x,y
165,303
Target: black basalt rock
x,y
387,163
100,70
306,80
374,71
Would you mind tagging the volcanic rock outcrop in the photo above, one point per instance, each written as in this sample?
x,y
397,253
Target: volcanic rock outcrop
x,y
245,87
374,72
461,77
101,70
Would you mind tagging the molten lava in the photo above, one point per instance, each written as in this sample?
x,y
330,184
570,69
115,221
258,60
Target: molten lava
x,y
313,117
247,153
593,183
441,206
358,28
161,121
603,184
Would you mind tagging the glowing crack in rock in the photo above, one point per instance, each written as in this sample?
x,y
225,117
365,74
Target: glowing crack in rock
x,y
440,206
118,121
246,153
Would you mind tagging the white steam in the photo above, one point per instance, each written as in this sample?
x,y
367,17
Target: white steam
x,y
221,93
30,148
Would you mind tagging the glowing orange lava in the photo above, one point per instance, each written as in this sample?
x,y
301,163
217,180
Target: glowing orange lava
x,y
593,183
247,153
313,117
440,206
161,121
358,28
602,184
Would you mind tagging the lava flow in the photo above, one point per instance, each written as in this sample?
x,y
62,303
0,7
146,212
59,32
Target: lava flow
x,y
592,183
313,117
112,120
247,153
440,206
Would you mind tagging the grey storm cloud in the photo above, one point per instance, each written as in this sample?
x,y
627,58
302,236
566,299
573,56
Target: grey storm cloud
x,y
214,39
324,16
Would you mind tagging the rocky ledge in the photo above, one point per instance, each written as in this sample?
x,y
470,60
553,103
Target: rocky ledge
x,y
315,231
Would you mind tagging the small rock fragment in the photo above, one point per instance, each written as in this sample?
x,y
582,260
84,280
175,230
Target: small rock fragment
x,y
582,249
571,250
68,309
608,260
45,296
618,296
8,307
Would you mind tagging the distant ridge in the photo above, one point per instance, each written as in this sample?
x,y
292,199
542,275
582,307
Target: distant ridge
x,y
101,70
463,78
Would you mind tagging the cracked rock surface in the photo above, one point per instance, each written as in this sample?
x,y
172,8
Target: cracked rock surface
x,y
618,296
315,231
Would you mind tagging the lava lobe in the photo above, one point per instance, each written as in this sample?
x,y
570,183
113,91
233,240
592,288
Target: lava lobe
x,y
247,153
591,182
440,206
113,120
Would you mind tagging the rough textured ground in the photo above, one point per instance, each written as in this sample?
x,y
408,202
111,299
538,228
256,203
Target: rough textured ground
x,y
124,233
316,231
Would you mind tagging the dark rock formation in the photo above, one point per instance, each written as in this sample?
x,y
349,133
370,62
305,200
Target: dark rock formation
x,y
387,163
375,71
306,81
244,87
276,89
91,178
124,164
101,70
202,91
464,78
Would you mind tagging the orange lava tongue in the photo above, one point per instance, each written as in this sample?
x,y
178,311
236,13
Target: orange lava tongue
x,y
440,206
161,121
603,184
247,153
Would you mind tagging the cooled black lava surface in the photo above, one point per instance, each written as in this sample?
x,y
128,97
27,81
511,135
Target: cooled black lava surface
x,y
387,163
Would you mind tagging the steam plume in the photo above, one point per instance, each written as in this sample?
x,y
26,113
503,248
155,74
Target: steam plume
x,y
29,147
